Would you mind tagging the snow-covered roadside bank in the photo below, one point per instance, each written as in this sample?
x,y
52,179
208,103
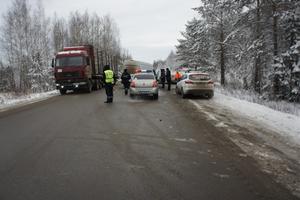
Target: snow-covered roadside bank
x,y
282,106
287,125
270,137
9,100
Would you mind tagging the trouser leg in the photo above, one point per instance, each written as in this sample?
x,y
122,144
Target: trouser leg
x,y
126,87
110,93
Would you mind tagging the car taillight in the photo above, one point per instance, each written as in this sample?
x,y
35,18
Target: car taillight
x,y
132,84
154,84
188,82
210,82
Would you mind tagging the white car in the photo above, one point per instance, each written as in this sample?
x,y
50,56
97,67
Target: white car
x,y
195,83
144,84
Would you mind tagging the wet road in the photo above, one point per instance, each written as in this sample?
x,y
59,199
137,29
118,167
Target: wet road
x,y
77,147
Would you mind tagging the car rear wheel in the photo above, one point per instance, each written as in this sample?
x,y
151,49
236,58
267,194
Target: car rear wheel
x,y
182,94
155,96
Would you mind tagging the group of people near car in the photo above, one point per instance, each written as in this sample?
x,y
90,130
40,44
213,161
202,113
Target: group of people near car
x,y
165,75
109,80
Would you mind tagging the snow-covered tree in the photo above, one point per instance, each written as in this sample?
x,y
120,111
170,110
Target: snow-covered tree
x,y
252,43
16,42
193,49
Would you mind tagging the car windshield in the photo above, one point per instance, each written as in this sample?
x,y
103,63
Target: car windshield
x,y
70,61
144,76
199,77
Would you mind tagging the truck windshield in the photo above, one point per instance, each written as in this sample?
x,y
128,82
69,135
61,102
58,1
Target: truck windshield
x,y
70,61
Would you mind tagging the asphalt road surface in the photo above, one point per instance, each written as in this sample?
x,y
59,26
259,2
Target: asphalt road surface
x,y
77,147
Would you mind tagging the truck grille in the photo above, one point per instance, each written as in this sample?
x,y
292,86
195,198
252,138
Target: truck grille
x,y
68,75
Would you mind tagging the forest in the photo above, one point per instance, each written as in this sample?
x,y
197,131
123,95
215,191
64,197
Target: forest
x,y
29,40
249,45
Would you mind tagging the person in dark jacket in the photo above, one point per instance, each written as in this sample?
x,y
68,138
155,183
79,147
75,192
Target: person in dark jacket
x,y
162,77
168,77
126,80
109,80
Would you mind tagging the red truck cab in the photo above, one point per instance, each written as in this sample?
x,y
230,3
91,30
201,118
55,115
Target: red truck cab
x,y
74,69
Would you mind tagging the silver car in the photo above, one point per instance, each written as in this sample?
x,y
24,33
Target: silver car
x,y
144,84
195,83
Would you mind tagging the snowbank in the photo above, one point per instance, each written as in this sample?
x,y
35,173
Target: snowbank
x,y
8,100
283,123
282,106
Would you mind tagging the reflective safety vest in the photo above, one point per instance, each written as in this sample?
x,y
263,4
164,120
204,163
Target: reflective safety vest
x,y
109,76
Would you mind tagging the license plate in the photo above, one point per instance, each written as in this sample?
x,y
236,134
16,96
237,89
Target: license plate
x,y
144,92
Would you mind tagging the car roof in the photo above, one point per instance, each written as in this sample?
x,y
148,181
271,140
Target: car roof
x,y
144,74
195,72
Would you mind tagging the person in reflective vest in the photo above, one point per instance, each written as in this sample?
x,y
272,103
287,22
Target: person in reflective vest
x,y
109,81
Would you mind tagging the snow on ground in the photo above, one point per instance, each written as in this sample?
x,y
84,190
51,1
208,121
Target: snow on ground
x,y
8,100
270,137
282,123
250,96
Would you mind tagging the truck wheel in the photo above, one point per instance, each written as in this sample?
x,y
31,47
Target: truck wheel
x,y
89,87
62,91
95,86
210,95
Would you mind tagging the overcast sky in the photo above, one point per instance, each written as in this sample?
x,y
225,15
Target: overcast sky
x,y
149,28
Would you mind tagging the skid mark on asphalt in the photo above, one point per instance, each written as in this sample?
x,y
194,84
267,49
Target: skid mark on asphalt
x,y
222,176
189,140
200,108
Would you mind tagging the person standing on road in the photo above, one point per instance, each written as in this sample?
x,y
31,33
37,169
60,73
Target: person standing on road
x,y
162,77
126,80
177,76
168,77
109,80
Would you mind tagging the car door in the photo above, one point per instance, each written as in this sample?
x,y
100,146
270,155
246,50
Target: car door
x,y
181,82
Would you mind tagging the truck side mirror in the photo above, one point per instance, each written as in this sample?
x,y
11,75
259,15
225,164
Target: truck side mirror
x,y
52,63
87,61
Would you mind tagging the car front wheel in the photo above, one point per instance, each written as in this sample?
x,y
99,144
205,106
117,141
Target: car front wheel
x,y
177,90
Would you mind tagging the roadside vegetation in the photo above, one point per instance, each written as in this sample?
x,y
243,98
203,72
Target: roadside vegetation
x,y
250,45
29,40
